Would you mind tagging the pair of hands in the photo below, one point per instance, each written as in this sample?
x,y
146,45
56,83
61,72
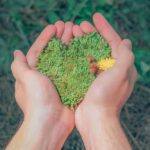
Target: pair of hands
x,y
39,100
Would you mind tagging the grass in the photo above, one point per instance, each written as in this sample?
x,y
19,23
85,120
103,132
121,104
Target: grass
x,y
68,66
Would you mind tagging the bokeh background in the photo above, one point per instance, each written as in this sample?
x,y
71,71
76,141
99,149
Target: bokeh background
x,y
22,20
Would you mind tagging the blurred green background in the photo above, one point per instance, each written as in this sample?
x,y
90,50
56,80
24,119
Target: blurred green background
x,y
22,20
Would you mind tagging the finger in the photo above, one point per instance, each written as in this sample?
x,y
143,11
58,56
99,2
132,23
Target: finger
x,y
125,58
86,27
19,65
134,75
39,44
105,29
77,32
60,26
68,34
128,44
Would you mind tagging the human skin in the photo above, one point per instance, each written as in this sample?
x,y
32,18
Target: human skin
x,y
97,117
47,122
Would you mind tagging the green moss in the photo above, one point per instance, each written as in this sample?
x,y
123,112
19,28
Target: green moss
x,y
68,68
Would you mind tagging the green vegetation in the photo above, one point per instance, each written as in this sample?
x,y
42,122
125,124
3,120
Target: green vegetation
x,y
68,66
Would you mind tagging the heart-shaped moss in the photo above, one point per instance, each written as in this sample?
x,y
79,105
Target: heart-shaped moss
x,y
68,66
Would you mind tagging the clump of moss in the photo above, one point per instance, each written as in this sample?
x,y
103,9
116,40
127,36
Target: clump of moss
x,y
68,68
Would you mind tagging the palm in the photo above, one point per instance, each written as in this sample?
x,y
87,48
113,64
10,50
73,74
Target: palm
x,y
108,83
63,32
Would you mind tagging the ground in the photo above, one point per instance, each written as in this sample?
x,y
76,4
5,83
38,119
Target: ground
x,y
21,22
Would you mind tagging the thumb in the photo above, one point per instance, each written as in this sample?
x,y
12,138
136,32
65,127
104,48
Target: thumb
x,y
19,65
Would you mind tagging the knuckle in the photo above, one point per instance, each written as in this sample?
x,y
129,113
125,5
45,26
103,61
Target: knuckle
x,y
131,57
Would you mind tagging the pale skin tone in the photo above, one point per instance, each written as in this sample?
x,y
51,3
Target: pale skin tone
x,y
96,118
47,122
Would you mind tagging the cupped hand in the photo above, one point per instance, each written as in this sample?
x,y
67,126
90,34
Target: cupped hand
x,y
111,88
35,93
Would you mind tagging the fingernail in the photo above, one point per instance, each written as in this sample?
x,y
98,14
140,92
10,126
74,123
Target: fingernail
x,y
16,53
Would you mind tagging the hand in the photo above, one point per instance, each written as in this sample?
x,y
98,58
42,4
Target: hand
x,y
108,93
38,98
111,88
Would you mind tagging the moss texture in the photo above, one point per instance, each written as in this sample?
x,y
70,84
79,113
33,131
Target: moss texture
x,y
68,67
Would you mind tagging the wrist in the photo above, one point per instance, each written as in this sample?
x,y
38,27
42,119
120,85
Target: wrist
x,y
92,113
98,126
90,118
46,121
49,125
